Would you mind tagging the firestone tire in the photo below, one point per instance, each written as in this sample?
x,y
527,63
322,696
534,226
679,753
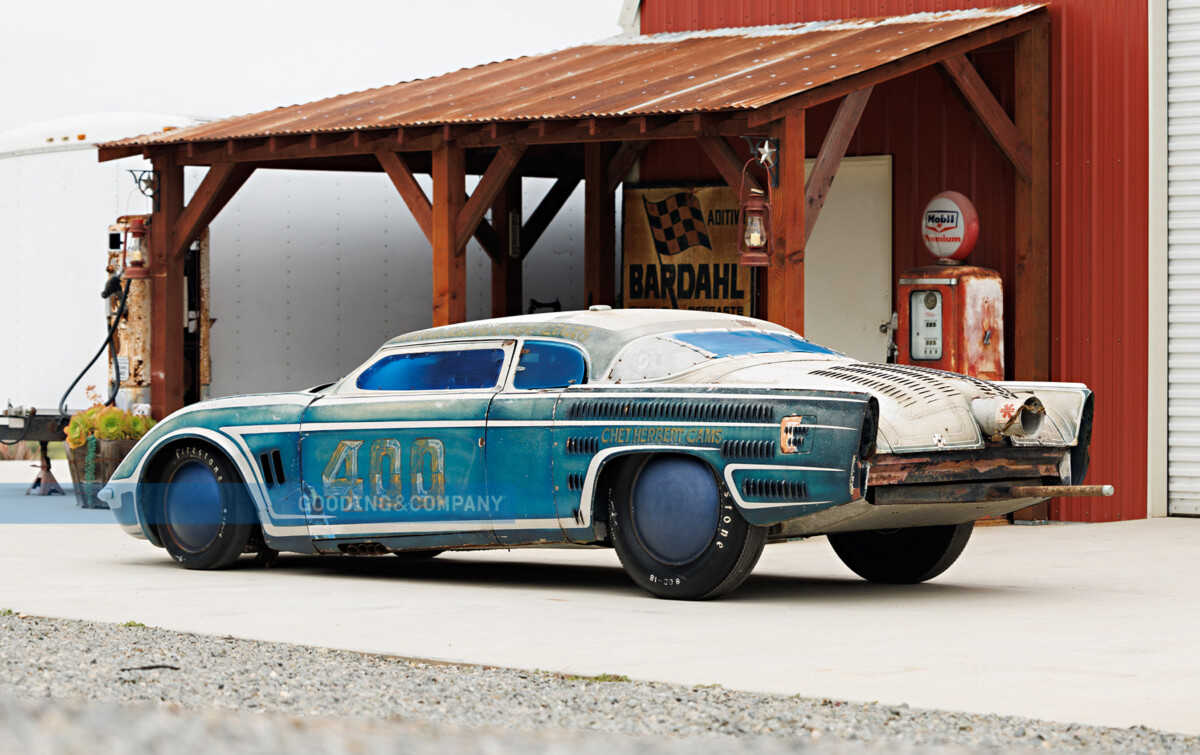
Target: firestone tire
x,y
904,556
676,530
205,518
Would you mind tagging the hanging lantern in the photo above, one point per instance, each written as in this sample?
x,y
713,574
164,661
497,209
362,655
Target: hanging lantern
x,y
754,240
135,251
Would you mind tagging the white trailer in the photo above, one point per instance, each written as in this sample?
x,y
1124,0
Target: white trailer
x,y
310,271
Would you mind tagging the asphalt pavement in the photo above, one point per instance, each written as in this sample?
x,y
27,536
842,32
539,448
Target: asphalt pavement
x,y
1096,624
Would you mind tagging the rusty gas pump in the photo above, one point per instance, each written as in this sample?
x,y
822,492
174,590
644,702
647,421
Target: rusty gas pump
x,y
128,261
952,314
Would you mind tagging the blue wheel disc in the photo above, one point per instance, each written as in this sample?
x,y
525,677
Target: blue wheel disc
x,y
192,506
676,505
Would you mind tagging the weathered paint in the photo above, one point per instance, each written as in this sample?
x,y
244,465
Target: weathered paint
x,y
428,469
1100,180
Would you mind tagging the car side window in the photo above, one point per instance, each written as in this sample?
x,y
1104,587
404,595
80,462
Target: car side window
x,y
545,364
443,370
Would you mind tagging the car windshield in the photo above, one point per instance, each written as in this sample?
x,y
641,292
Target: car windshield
x,y
660,356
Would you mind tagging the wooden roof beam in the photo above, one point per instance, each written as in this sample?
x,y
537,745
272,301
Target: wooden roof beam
x,y
648,124
454,132
727,163
989,113
219,185
486,190
705,123
502,129
410,191
897,68
489,239
626,155
547,209
833,149
285,141
116,153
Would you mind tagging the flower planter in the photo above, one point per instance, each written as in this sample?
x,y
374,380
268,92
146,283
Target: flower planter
x,y
92,465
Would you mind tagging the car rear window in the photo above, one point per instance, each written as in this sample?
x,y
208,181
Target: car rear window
x,y
445,370
660,356
736,343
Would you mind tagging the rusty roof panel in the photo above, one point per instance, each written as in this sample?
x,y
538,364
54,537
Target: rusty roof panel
x,y
671,73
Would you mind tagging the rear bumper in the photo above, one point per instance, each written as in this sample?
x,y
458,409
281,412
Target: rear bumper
x,y
960,467
929,489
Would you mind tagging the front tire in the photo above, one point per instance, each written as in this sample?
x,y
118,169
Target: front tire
x,y
904,556
676,530
205,519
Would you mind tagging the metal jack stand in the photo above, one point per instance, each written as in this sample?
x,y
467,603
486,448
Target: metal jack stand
x,y
44,483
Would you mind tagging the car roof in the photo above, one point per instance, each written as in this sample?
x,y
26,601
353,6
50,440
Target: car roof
x,y
601,332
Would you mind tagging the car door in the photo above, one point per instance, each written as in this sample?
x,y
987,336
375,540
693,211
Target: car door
x,y
520,441
397,450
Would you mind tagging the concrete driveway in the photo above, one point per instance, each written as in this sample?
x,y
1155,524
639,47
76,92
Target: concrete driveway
x,y
1091,623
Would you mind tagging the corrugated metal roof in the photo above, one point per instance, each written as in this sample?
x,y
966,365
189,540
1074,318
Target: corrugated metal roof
x,y
657,74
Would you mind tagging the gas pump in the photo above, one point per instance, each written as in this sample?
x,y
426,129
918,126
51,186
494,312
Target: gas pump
x,y
130,366
128,254
952,314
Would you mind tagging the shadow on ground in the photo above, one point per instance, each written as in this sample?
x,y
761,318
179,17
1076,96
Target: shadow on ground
x,y
500,573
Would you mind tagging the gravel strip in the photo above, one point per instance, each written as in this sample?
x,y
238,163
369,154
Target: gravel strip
x,y
53,672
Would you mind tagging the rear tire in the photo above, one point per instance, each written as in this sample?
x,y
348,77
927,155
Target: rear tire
x,y
205,518
904,556
676,530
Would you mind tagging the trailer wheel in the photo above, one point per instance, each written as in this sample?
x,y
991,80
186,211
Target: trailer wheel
x,y
904,556
205,517
676,530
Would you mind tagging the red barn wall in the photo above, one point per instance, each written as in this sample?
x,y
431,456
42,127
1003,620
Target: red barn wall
x,y
1100,183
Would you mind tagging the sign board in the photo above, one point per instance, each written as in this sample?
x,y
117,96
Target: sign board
x,y
681,250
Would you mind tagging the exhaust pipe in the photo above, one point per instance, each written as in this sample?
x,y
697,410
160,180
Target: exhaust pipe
x,y
1018,417
365,549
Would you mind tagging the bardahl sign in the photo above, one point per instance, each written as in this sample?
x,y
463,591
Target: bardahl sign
x,y
681,250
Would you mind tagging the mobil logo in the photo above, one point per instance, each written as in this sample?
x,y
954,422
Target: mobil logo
x,y
940,221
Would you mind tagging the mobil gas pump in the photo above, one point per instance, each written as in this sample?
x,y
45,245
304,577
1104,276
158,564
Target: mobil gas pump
x,y
952,314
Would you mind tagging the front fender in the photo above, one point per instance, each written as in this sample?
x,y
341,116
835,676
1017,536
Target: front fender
x,y
220,423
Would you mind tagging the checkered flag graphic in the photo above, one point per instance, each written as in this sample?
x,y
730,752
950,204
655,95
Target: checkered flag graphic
x,y
677,223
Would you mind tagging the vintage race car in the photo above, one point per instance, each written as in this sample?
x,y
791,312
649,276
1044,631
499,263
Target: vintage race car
x,y
684,440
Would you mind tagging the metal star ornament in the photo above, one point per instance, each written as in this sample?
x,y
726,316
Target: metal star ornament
x,y
766,154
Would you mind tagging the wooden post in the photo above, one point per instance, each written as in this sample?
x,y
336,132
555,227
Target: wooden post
x,y
449,258
166,293
1031,284
785,276
600,228
506,268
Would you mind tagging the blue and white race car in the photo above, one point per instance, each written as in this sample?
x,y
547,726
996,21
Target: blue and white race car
x,y
684,440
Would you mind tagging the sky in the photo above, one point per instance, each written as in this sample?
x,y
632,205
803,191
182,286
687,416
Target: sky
x,y
216,59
